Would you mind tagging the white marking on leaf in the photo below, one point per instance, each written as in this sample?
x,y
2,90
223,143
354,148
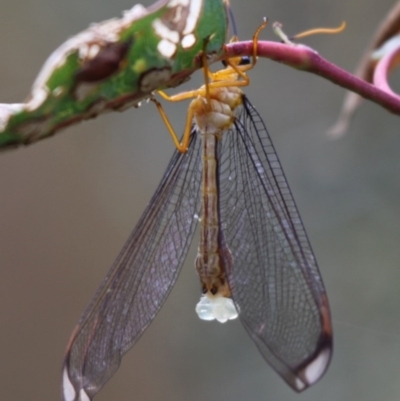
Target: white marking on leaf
x,y
178,15
166,48
6,111
194,14
174,3
83,51
136,12
93,51
164,32
38,96
188,41
58,91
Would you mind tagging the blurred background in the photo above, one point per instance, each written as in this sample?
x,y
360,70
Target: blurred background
x,y
69,203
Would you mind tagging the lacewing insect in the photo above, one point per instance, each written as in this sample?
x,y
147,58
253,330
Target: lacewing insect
x,y
114,64
254,258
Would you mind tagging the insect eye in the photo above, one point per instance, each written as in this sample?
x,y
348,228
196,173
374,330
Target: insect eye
x,y
245,60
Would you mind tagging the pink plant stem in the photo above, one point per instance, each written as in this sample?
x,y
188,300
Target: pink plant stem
x,y
382,71
304,58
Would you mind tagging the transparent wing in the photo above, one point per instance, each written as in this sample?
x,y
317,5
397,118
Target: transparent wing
x,y
273,275
139,280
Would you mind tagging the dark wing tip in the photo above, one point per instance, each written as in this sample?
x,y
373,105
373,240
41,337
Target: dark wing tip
x,y
315,366
71,389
